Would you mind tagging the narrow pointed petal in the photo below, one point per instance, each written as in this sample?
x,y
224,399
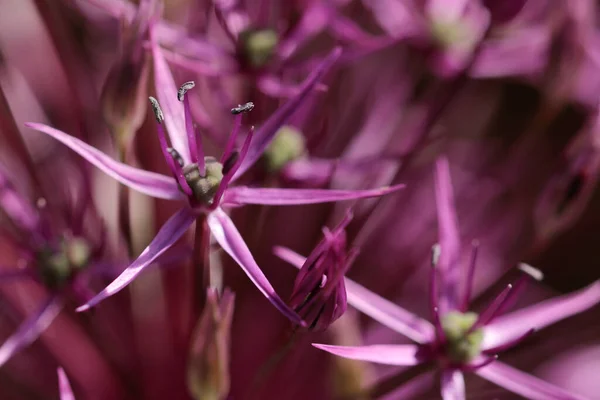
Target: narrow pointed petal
x,y
170,232
166,92
523,384
231,241
284,197
376,307
267,131
453,385
511,326
393,354
30,329
149,183
64,387
449,237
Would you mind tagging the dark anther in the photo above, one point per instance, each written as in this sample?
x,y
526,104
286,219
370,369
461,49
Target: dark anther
x,y
241,108
183,89
157,111
176,156
230,162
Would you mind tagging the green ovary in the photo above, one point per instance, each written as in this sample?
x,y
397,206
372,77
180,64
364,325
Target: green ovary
x,y
462,347
449,33
288,145
204,187
259,46
57,267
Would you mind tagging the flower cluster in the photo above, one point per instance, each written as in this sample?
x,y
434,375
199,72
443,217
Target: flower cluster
x,y
170,158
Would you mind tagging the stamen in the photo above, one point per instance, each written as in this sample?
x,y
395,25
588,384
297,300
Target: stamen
x,y
433,292
531,271
470,275
230,162
176,156
195,144
484,363
158,114
493,310
242,108
183,89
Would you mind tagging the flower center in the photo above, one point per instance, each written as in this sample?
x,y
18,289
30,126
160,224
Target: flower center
x,y
57,267
258,46
287,145
449,33
463,344
204,187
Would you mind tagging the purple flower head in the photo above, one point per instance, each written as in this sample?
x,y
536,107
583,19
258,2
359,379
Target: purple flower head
x,y
319,294
459,340
203,183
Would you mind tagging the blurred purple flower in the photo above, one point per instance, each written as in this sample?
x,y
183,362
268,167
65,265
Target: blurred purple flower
x,y
319,294
458,340
64,387
203,182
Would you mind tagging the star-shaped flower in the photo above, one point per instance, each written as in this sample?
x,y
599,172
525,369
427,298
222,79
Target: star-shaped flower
x,y
458,340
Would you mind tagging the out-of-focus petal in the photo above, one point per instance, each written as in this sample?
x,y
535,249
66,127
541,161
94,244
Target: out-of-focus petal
x,y
267,131
449,237
271,196
376,307
146,182
393,354
30,329
17,207
170,232
398,18
231,241
524,384
64,387
510,326
453,385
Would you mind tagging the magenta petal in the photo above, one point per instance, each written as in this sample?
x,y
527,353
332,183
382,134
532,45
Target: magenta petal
x,y
231,241
453,385
376,307
150,183
284,197
393,354
170,232
449,237
64,387
528,386
30,329
267,131
17,207
511,326
166,92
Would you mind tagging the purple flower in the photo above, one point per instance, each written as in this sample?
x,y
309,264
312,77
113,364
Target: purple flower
x,y
203,183
319,294
460,341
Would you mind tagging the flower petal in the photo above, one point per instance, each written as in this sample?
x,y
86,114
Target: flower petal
x,y
449,237
150,183
267,131
30,329
64,387
511,326
170,232
378,308
17,207
523,384
284,197
231,241
453,385
393,354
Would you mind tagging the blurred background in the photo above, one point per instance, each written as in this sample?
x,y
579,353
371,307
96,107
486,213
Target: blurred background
x,y
507,90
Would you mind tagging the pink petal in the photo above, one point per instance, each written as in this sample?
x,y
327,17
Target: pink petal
x,y
284,197
267,131
524,384
393,354
231,241
453,385
149,183
511,326
64,387
30,329
170,232
449,237
378,308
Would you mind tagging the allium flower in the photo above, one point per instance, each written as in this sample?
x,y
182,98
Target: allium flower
x,y
319,295
460,341
203,183
55,253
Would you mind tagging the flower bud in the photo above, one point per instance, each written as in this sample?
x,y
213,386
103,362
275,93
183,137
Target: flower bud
x,y
208,367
